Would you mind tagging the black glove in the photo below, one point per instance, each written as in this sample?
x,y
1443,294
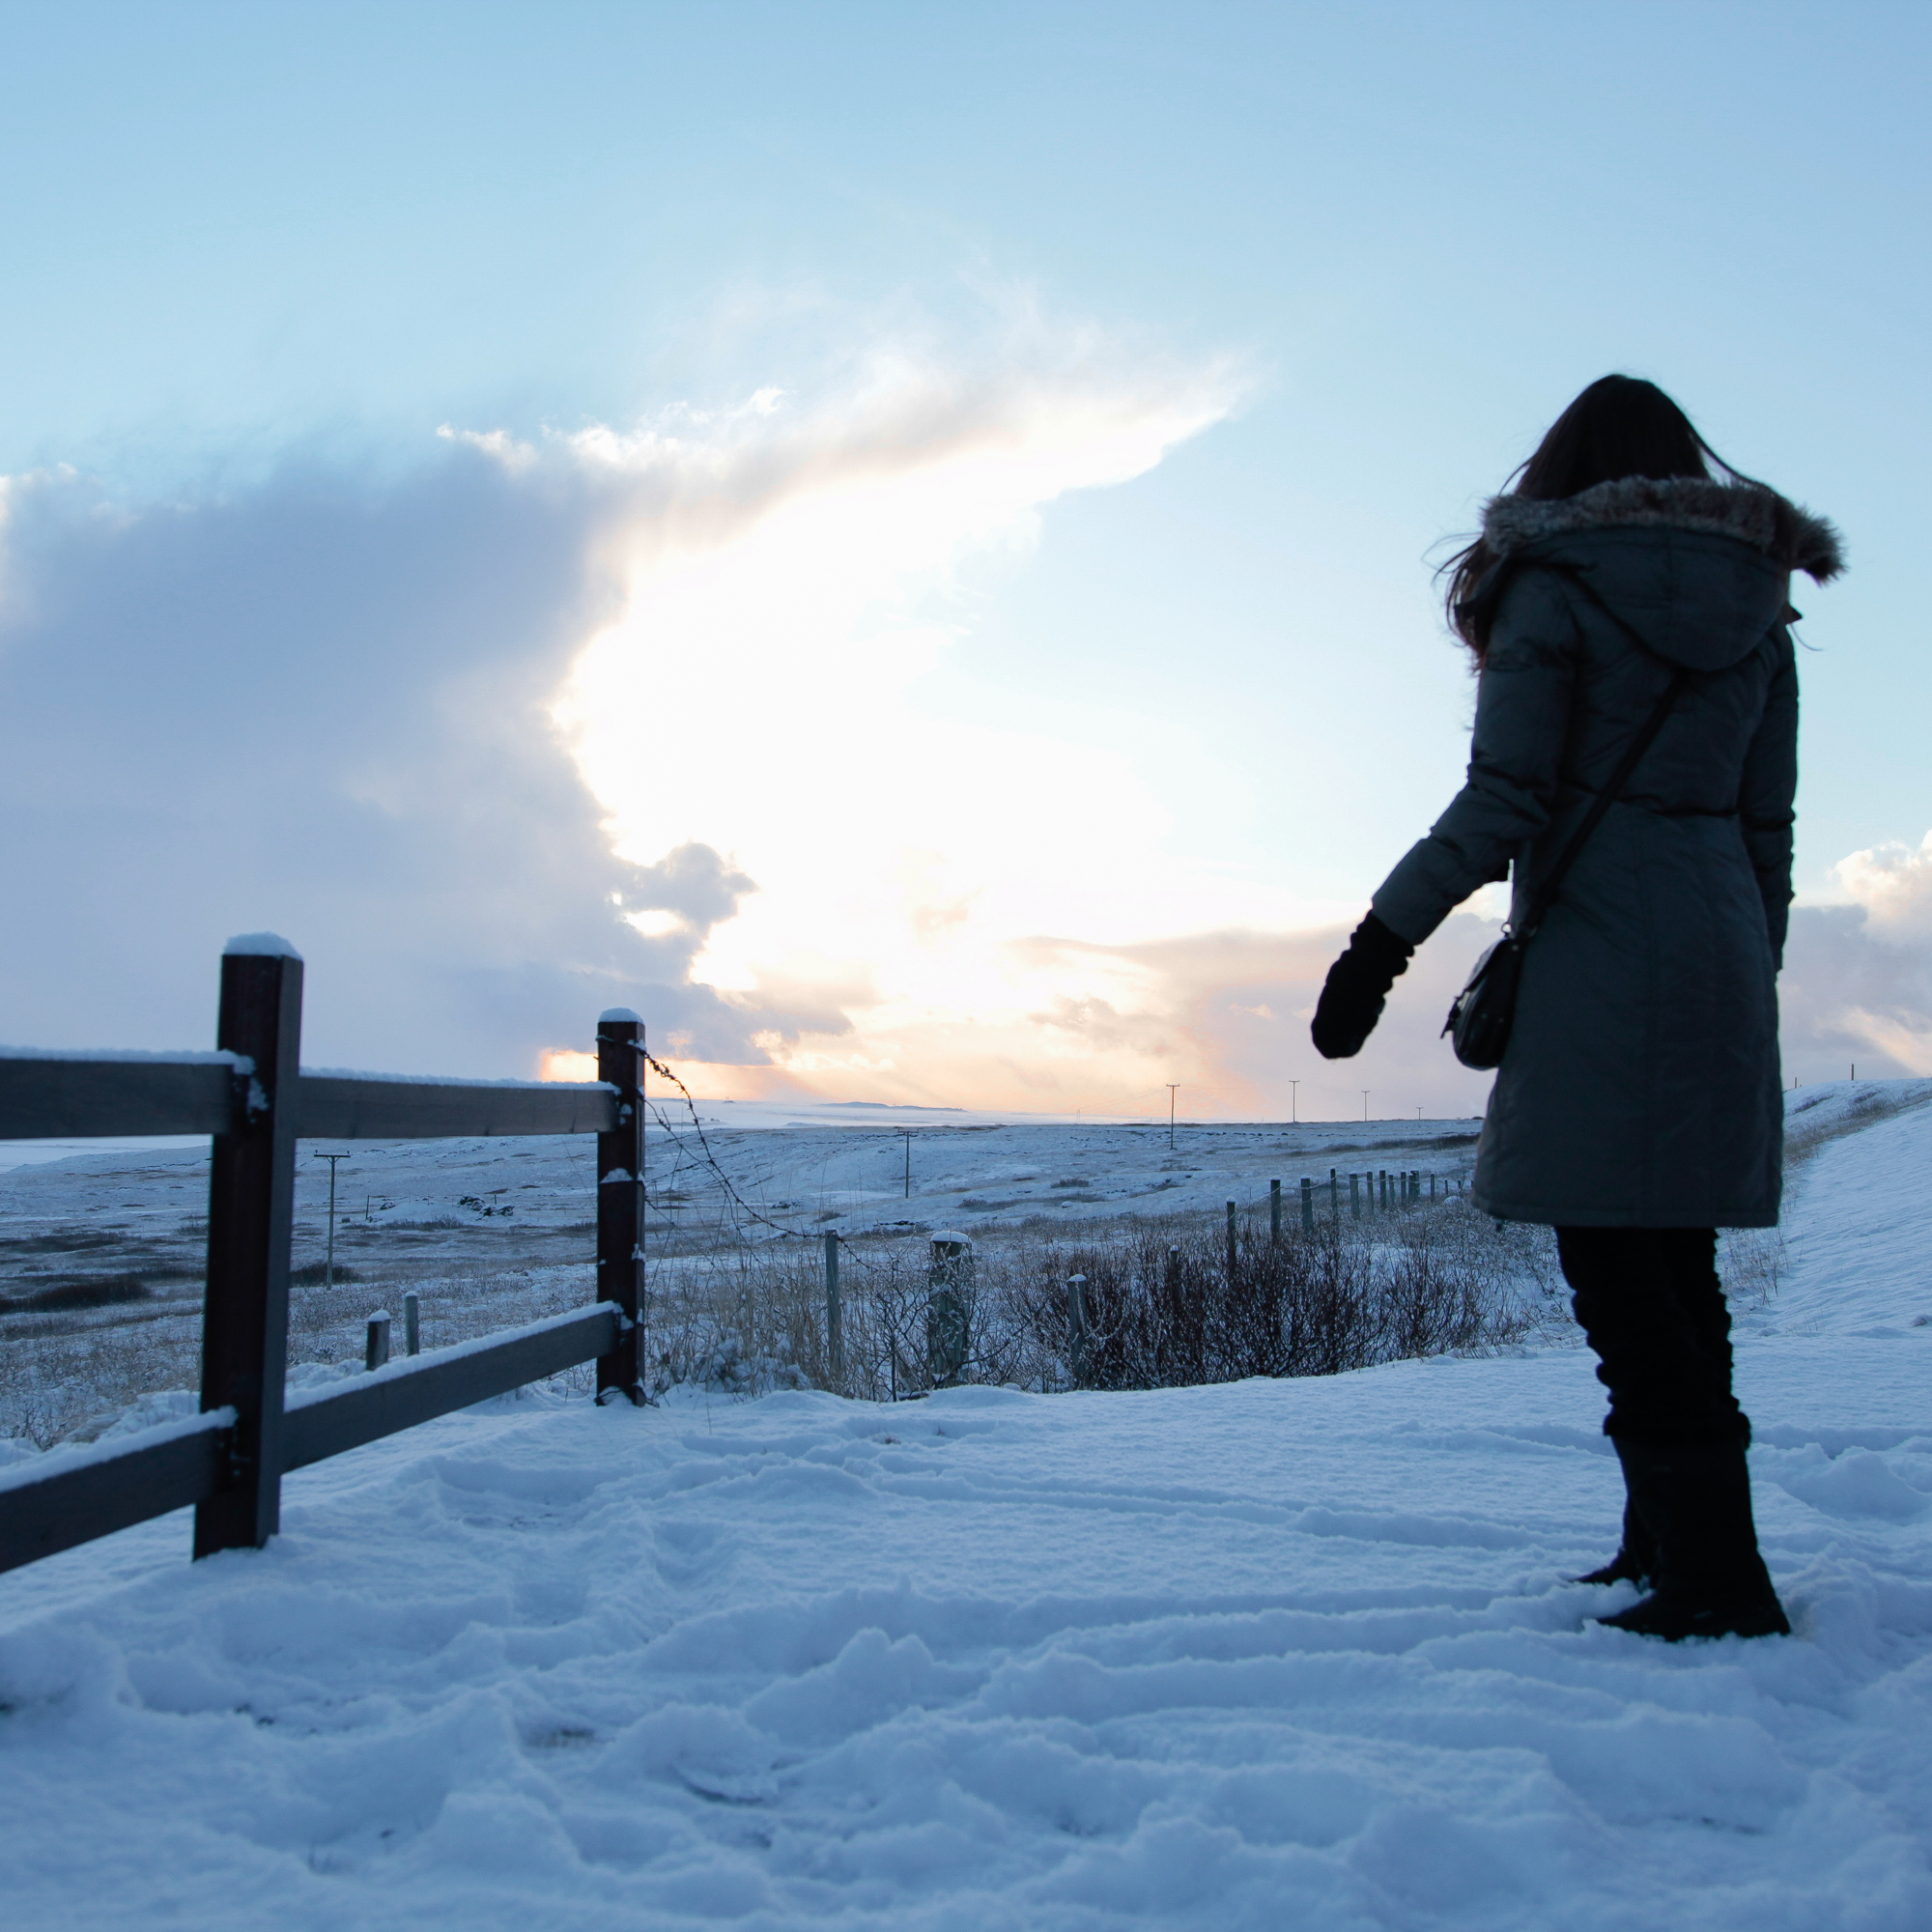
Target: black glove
x,y
1358,984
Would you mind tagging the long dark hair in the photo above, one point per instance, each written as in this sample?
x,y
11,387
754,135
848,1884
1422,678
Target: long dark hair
x,y
1619,426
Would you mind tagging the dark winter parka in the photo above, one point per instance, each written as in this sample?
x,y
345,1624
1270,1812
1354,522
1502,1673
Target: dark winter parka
x,y
1641,1084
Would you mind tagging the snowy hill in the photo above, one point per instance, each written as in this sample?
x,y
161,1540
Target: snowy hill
x,y
1275,1654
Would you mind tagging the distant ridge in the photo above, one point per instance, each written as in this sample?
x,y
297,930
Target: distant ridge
x,y
893,1107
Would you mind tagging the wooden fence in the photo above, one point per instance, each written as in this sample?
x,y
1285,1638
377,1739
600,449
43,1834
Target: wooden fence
x,y
252,1097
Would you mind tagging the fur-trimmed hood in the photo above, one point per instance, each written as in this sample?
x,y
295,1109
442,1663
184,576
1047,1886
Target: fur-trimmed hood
x,y
1748,511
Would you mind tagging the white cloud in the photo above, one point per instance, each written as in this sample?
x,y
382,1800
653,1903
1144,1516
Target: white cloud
x,y
1858,978
1893,884
329,705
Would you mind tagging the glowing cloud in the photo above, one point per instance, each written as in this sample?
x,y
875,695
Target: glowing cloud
x,y
792,576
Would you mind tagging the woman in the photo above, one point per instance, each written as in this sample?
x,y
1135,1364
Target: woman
x,y
1638,1108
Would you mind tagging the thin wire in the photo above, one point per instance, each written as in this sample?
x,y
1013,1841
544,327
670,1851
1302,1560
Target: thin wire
x,y
711,1159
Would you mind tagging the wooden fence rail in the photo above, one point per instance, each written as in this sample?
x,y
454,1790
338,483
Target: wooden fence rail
x,y
252,1097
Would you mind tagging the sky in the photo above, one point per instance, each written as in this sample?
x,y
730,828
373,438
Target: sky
x,y
896,540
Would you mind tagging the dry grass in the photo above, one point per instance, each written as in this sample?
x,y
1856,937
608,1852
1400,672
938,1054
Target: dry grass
x,y
1806,1132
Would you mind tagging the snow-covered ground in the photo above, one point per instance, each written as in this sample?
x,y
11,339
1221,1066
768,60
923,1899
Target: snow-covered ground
x,y
1275,1654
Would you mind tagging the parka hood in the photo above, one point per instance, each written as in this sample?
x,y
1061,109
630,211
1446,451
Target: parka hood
x,y
1699,569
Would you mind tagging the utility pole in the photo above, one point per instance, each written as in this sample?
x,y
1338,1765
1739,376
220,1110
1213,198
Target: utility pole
x,y
1418,1113
1171,1087
329,1268
1294,1101
1366,1091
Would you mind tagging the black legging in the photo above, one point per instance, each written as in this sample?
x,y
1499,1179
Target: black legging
x,y
1648,1301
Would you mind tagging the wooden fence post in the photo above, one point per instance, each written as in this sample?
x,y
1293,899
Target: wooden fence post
x,y
244,1323
949,1308
1308,1206
1076,1327
620,1200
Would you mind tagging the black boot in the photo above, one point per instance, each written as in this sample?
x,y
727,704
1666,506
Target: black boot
x,y
1711,1582
1636,1560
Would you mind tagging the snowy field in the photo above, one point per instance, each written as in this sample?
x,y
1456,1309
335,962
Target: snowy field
x,y
1267,1655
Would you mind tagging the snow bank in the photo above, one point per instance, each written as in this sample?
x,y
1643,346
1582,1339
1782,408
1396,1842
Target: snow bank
x,y
1258,1655
1269,1655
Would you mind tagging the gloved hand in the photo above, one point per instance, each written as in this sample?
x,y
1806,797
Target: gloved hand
x,y
1358,984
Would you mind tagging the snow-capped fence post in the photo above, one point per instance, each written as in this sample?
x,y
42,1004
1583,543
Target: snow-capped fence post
x,y
949,1307
245,1333
1308,1206
620,1200
412,1324
1076,1327
376,1348
1274,1212
835,1317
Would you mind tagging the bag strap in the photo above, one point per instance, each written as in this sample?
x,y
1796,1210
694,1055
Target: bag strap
x,y
1553,882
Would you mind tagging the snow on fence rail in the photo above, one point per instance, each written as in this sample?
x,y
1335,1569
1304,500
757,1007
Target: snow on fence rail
x,y
253,1098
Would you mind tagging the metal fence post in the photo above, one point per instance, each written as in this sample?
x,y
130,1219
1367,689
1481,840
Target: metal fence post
x,y
620,1200
834,1315
1274,1212
1231,1241
244,1329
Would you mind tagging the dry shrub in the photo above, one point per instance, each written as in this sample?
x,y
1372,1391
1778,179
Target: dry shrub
x,y
1162,1309
1162,1313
